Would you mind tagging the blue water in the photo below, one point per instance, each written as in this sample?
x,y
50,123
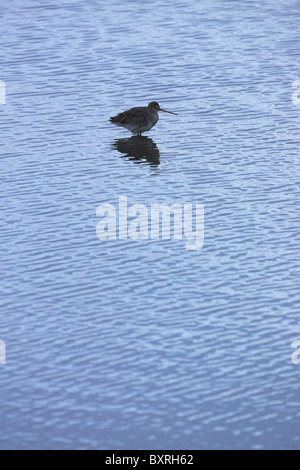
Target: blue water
x,y
142,344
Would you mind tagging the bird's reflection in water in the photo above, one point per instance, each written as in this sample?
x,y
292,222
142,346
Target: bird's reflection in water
x,y
138,149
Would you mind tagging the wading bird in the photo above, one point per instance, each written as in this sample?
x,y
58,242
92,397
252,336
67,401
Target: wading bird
x,y
139,120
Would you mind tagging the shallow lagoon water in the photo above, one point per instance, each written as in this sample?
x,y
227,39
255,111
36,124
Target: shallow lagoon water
x,y
143,344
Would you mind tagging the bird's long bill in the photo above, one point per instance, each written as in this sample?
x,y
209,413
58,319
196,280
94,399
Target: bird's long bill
x,y
169,112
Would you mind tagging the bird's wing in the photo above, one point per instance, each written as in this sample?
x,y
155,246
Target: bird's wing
x,y
134,117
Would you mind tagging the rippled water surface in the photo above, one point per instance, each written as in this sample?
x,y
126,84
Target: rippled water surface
x,y
143,344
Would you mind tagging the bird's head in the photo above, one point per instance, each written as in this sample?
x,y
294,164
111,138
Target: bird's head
x,y
155,106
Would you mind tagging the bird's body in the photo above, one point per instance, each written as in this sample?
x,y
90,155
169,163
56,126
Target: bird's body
x,y
139,120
